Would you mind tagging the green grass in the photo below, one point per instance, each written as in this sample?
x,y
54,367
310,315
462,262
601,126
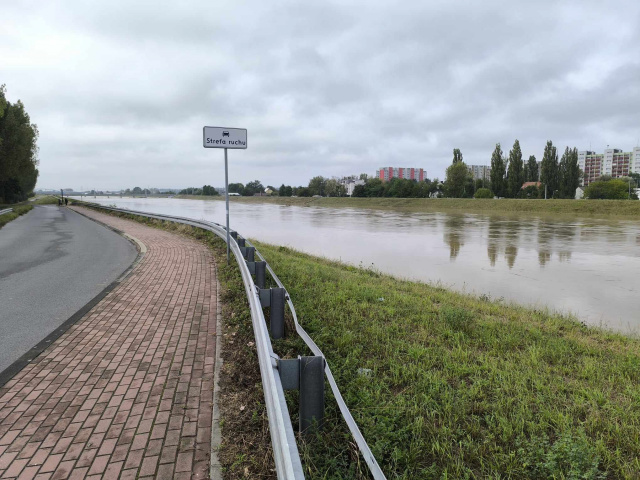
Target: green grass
x,y
44,200
17,211
464,387
597,208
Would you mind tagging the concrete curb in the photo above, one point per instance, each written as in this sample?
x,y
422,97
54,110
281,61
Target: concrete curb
x,y
215,469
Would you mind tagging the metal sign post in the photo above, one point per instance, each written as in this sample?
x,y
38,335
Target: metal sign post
x,y
220,137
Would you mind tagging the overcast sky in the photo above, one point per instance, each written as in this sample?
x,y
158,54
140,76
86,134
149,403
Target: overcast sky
x,y
121,89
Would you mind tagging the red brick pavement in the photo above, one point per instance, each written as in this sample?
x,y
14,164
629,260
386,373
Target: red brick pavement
x,y
126,392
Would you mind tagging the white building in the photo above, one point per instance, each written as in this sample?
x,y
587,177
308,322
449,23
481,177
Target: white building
x,y
350,183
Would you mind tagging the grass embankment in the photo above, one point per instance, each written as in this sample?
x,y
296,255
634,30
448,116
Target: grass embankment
x,y
17,211
601,208
466,388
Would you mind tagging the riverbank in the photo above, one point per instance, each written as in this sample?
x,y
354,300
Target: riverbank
x,y
594,208
458,386
17,211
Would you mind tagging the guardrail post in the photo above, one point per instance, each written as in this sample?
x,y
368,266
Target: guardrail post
x,y
260,269
311,394
276,318
249,253
241,242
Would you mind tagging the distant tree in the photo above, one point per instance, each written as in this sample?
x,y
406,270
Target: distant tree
x,y
363,176
236,188
288,191
282,191
457,156
497,172
615,189
532,170
303,192
317,186
483,193
530,191
359,191
569,173
137,191
457,180
252,188
334,189
515,174
549,169
209,190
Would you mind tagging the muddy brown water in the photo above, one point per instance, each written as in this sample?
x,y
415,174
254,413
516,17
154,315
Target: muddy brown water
x,y
584,266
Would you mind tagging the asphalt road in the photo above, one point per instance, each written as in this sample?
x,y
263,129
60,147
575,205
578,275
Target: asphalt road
x,y
52,262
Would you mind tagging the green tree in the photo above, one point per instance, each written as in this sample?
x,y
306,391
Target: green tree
x,y
236,188
616,189
498,169
457,181
457,155
252,188
549,169
334,189
137,191
569,173
317,186
209,190
515,174
531,170
18,151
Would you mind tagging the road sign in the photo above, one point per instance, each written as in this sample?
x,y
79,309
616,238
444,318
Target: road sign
x,y
220,137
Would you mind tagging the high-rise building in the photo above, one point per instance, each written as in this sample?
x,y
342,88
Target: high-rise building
x,y
480,172
387,173
612,162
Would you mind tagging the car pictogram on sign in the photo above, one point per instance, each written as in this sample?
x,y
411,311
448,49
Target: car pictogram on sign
x,y
225,134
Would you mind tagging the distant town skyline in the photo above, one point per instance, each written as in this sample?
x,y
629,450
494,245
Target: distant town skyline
x,y
323,89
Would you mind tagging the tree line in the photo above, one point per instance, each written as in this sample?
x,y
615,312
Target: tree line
x,y
509,174
18,151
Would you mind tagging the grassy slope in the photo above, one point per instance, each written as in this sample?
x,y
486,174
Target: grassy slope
x,y
466,388
17,211
623,208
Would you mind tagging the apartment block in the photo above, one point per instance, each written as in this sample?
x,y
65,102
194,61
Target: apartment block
x,y
480,172
612,162
387,173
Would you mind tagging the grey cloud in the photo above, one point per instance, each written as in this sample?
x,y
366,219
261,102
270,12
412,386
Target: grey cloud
x,y
324,88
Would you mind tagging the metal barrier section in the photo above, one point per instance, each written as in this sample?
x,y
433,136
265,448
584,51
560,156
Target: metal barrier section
x,y
303,373
6,210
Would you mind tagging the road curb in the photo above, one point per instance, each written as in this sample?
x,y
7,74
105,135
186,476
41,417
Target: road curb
x,y
9,372
215,467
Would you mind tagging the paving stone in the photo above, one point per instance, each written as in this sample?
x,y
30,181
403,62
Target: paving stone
x,y
135,371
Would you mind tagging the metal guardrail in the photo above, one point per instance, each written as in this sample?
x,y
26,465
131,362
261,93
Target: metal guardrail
x,y
6,210
285,450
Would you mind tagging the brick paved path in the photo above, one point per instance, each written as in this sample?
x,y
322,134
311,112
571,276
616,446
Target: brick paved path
x,y
127,391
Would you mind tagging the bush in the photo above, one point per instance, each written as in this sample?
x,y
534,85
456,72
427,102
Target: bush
x,y
483,193
610,189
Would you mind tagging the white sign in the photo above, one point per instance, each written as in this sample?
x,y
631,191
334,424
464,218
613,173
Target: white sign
x,y
220,137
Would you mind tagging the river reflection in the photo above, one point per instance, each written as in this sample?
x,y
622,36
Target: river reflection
x,y
589,267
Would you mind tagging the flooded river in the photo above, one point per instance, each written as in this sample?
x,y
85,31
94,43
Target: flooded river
x,y
588,267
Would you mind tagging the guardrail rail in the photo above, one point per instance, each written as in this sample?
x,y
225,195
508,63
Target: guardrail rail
x,y
6,210
278,375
